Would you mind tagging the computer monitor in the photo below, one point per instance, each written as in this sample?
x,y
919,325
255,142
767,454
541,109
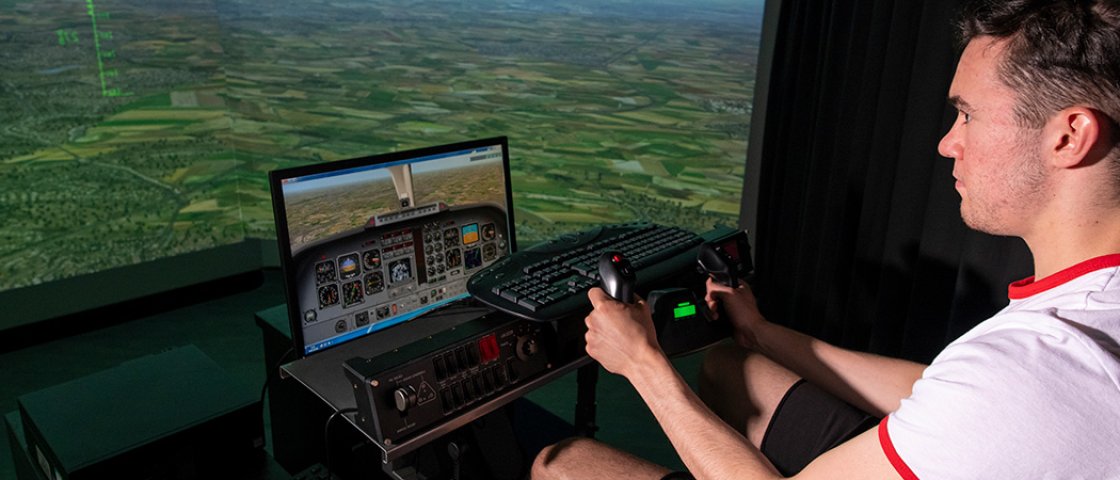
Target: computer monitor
x,y
374,242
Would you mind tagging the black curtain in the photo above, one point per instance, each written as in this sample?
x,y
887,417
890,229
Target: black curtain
x,y
859,236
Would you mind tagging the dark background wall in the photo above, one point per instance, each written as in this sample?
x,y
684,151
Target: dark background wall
x,y
859,236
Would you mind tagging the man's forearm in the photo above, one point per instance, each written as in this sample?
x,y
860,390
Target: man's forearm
x,y
873,383
708,446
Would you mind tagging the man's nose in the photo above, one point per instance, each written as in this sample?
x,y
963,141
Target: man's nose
x,y
950,145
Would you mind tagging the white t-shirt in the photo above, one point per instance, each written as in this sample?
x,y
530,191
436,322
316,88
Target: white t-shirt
x,y
1033,392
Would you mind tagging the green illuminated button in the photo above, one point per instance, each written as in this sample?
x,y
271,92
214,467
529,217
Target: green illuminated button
x,y
685,310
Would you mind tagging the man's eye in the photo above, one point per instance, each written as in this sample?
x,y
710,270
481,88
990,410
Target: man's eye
x,y
967,116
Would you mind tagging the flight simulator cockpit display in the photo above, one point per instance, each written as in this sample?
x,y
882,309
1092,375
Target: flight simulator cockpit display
x,y
378,241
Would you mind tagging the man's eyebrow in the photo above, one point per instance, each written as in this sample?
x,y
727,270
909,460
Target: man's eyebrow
x,y
957,102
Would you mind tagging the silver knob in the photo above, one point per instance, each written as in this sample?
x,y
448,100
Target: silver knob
x,y
404,398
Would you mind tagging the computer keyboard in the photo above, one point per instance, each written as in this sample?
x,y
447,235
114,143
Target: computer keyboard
x,y
549,281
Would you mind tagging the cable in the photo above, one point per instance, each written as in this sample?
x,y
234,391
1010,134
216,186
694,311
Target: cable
x,y
455,452
327,437
270,374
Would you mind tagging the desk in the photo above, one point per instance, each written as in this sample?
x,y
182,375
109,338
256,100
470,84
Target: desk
x,y
266,469
316,385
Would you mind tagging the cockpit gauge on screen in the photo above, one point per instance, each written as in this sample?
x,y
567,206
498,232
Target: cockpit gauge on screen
x,y
374,242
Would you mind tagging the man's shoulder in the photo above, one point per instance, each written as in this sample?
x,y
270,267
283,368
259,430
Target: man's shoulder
x,y
1025,361
1029,379
1080,315
1040,340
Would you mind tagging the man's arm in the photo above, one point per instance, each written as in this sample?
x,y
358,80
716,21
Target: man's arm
x,y
873,383
621,338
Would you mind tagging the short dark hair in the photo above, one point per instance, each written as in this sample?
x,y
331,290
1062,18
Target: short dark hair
x,y
1060,53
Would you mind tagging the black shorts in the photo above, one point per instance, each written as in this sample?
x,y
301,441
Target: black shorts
x,y
807,423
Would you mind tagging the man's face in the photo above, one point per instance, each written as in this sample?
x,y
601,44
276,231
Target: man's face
x,y
997,164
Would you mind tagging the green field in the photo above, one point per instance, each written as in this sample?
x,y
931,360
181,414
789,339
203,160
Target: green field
x,y
616,111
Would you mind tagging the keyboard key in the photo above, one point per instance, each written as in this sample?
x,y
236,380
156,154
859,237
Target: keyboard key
x,y
529,304
585,268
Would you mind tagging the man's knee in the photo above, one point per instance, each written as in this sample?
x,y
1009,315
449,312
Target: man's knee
x,y
719,362
731,369
580,457
570,458
742,387
720,383
725,374
551,459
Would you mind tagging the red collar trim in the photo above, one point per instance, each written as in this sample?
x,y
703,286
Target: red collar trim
x,y
1027,287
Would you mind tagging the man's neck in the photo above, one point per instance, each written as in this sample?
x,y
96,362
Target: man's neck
x,y
1074,239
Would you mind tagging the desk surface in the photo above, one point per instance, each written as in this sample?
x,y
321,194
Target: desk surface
x,y
275,318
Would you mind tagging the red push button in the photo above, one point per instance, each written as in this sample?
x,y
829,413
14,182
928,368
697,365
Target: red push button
x,y
488,347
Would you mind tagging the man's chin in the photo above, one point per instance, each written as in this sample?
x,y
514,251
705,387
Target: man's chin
x,y
986,226
972,221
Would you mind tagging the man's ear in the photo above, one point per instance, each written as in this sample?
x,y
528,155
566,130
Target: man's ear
x,y
1074,137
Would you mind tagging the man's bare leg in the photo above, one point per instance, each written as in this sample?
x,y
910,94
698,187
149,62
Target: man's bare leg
x,y
584,458
743,388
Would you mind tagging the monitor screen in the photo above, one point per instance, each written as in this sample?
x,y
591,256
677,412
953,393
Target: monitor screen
x,y
374,242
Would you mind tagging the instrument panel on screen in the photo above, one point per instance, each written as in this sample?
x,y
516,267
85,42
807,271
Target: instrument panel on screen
x,y
378,277
373,242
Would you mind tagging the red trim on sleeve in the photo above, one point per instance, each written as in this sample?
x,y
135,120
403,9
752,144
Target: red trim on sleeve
x,y
892,455
1028,286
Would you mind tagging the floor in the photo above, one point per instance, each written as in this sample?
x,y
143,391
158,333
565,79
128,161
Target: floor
x,y
223,328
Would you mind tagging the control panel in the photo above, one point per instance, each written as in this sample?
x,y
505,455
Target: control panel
x,y
419,386
372,277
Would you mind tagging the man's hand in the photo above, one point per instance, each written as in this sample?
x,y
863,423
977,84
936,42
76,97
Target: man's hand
x,y
739,304
620,336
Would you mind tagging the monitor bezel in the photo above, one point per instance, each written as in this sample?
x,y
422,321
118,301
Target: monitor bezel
x,y
276,177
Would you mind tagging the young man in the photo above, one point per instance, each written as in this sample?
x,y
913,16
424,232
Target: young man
x,y
1033,392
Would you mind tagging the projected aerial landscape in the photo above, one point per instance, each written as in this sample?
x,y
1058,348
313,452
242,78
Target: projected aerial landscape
x,y
133,130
